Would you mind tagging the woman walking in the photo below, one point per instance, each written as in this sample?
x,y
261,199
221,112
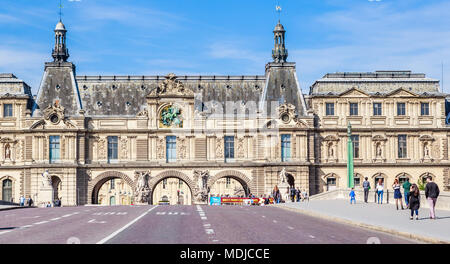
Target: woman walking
x,y
380,190
414,201
397,193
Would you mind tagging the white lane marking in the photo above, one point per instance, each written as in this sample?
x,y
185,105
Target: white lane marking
x,y
54,219
160,213
27,226
290,227
207,225
204,218
67,215
209,231
275,221
4,232
311,236
263,216
92,221
40,223
215,240
104,240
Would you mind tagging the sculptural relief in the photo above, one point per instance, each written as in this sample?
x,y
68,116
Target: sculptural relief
x,y
142,190
201,189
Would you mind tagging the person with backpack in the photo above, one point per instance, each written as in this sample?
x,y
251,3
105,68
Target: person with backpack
x,y
414,201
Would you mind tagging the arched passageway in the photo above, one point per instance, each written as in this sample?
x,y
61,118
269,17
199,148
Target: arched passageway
x,y
171,191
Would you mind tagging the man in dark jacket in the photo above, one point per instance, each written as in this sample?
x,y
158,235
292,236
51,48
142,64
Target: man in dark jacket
x,y
431,193
366,186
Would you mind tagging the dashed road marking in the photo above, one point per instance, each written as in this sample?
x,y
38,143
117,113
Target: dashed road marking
x,y
54,219
27,226
204,218
263,216
207,225
40,223
93,221
311,236
106,239
290,227
209,231
275,221
67,215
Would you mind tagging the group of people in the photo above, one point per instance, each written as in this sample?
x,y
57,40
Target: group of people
x,y
411,194
26,201
293,194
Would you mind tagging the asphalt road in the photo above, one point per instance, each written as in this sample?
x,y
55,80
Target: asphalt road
x,y
177,225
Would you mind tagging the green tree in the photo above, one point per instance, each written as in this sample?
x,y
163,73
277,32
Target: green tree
x,y
421,185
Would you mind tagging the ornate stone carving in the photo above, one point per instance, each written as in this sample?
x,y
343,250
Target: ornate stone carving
x,y
219,148
286,112
181,145
46,180
124,148
240,148
142,190
19,150
171,117
160,148
201,189
101,148
143,113
54,113
282,176
171,86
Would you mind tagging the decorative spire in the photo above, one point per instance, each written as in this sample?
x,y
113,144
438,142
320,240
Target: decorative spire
x,y
279,52
60,52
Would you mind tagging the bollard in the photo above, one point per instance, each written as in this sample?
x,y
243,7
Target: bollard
x,y
375,196
387,196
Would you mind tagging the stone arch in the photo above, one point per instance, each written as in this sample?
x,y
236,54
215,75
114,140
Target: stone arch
x,y
97,182
154,181
325,178
379,175
237,175
13,189
426,174
403,174
361,178
56,181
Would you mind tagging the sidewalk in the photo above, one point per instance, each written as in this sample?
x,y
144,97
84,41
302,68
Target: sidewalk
x,y
11,207
383,217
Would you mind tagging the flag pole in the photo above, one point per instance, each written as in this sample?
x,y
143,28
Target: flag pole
x,y
351,182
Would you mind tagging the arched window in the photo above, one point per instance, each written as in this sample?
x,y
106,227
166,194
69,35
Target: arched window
x,y
7,190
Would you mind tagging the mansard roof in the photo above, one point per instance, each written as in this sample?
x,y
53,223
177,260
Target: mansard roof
x,y
13,86
377,83
126,95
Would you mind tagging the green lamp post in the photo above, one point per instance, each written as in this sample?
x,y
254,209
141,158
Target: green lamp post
x,y
351,182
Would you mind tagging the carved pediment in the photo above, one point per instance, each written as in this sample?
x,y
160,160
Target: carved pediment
x,y
286,112
379,138
171,86
426,138
54,113
331,138
8,140
354,92
401,92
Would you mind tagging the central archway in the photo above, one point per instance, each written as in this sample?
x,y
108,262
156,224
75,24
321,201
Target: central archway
x,y
235,177
172,187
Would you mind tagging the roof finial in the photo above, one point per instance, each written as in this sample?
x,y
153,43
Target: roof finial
x,y
278,8
60,10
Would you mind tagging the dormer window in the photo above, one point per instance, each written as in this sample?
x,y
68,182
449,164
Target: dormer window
x,y
7,110
58,87
99,104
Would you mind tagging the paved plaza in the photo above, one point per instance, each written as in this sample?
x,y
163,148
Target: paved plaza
x,y
382,217
178,224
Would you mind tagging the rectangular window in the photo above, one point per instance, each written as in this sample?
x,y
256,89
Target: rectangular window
x,y
401,146
228,182
229,147
424,109
355,140
171,148
376,109
353,109
401,109
329,109
54,148
7,110
285,147
113,184
112,148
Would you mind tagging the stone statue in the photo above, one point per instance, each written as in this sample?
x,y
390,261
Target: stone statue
x,y
46,179
7,152
330,151
426,151
202,189
142,190
378,150
282,175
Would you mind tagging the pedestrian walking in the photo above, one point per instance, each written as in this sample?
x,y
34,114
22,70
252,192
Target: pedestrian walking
x,y
414,201
292,194
397,193
30,202
431,193
406,191
380,190
22,200
298,194
305,195
352,196
276,194
366,186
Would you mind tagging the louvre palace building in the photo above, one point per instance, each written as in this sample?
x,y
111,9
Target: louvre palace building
x,y
128,139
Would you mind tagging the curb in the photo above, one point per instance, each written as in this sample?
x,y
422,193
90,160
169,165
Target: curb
x,y
18,207
364,225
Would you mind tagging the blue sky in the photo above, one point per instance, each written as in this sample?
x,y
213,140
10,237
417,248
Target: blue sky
x,y
228,37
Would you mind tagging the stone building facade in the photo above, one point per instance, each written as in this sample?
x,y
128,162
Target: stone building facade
x,y
196,131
